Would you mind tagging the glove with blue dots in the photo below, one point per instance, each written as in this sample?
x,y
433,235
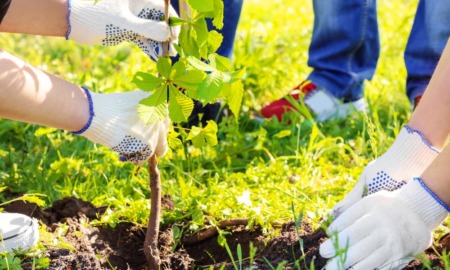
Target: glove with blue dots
x,y
111,22
408,157
115,123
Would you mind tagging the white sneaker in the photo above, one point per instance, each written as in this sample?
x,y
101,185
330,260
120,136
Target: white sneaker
x,y
17,231
322,104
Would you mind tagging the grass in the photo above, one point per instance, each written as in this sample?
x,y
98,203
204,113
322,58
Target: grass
x,y
258,170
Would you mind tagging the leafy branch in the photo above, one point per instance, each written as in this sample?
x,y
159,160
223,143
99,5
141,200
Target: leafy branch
x,y
199,74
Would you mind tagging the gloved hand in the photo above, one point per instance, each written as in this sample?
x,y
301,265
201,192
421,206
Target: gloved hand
x,y
384,230
115,123
409,156
110,22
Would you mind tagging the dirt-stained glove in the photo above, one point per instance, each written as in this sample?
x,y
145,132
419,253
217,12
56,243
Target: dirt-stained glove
x,y
384,230
111,22
115,123
409,156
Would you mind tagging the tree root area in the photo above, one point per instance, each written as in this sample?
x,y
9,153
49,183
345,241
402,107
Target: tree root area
x,y
121,247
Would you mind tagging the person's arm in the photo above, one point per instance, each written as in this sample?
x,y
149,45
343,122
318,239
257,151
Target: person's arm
x,y
416,146
432,115
47,18
385,230
30,95
106,22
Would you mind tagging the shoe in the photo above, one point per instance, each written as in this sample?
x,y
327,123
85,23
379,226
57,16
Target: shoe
x,y
322,104
416,102
17,231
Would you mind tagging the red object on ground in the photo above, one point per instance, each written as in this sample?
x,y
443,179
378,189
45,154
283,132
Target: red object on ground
x,y
417,101
281,106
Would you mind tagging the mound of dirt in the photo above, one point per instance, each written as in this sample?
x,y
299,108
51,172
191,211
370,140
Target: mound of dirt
x,y
122,247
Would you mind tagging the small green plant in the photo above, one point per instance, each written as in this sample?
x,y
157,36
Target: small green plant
x,y
252,253
10,262
341,253
297,223
30,197
280,266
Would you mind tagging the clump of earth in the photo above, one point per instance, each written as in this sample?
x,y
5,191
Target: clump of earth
x,y
121,247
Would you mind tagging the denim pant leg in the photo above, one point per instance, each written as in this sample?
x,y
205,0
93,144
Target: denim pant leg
x,y
429,34
345,46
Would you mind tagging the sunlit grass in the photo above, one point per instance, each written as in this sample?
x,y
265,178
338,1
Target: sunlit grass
x,y
258,169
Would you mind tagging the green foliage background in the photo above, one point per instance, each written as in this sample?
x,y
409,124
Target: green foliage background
x,y
256,170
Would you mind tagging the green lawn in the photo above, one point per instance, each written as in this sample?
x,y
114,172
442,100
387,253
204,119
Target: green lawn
x,y
257,170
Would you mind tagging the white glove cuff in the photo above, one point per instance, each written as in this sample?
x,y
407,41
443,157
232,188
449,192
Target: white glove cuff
x,y
81,19
425,203
107,113
410,151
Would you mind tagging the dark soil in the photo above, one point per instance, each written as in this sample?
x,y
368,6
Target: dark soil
x,y
121,247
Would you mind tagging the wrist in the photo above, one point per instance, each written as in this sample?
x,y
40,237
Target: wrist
x,y
81,20
425,203
112,116
86,115
411,152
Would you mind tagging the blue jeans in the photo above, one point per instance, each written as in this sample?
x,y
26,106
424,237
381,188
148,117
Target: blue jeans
x,y
232,12
345,45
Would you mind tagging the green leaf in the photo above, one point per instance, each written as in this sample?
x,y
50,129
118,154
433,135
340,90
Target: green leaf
x,y
198,216
214,40
179,50
174,21
154,108
164,65
218,14
233,94
219,62
238,74
190,80
201,29
210,87
178,69
198,64
180,106
201,5
283,133
221,240
44,131
147,82
188,42
204,136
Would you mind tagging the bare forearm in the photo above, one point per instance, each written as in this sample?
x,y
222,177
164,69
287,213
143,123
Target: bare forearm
x,y
37,17
30,95
433,113
437,176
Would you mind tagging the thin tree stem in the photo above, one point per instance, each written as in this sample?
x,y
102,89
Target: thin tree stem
x,y
151,250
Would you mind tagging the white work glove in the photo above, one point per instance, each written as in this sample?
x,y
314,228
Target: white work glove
x,y
408,156
115,123
384,230
111,22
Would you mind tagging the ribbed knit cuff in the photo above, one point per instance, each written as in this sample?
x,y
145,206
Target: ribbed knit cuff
x,y
419,198
113,117
69,12
83,22
91,112
411,152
